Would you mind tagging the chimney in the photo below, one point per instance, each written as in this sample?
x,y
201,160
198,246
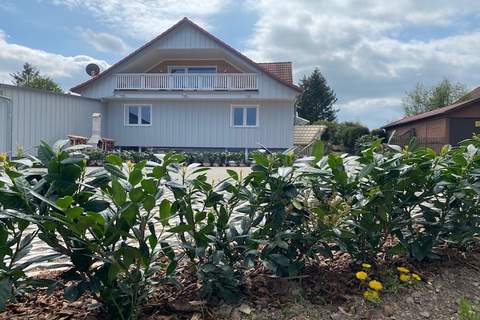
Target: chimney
x,y
96,130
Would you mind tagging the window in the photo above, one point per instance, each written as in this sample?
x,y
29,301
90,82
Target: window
x,y
138,115
193,69
244,116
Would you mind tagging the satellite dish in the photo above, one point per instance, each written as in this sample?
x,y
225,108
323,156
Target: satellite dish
x,y
92,70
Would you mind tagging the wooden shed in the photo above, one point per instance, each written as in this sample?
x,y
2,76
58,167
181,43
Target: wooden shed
x,y
436,128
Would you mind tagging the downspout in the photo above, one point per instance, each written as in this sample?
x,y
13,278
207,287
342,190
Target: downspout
x,y
9,124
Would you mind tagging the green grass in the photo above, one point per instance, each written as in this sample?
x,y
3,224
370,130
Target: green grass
x,y
468,310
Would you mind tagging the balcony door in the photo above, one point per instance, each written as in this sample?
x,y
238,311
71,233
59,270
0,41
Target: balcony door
x,y
193,77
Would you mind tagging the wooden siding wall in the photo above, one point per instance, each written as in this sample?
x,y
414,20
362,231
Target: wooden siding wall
x,y
203,124
39,115
222,65
435,128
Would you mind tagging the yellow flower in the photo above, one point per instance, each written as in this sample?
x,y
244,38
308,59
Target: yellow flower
x,y
375,285
403,270
361,275
416,277
130,164
366,265
371,295
405,277
3,157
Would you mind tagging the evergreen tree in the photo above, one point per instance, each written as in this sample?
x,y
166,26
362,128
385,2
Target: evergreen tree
x,y
30,77
317,100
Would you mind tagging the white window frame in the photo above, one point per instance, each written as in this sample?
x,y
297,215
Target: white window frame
x,y
186,69
245,106
139,105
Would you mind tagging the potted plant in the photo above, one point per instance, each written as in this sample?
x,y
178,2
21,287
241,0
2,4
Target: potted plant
x,y
205,159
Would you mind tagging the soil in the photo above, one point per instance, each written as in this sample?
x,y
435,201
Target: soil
x,y
327,290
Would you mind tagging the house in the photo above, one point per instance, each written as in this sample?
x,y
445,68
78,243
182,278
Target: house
x,y
187,89
436,128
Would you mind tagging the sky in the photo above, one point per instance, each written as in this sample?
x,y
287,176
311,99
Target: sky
x,y
370,51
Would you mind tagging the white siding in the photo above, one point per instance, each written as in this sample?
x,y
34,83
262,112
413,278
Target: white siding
x,y
39,115
186,37
203,124
3,125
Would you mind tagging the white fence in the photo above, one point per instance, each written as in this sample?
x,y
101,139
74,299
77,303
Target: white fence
x,y
197,81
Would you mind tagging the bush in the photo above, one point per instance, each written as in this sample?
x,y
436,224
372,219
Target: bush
x,y
283,215
344,134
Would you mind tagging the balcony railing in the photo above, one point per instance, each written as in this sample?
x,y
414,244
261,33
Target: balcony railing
x,y
192,81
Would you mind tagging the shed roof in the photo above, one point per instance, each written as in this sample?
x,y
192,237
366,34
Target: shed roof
x,y
474,96
303,135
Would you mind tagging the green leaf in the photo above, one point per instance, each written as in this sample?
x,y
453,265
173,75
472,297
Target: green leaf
x,y
165,211
118,193
180,228
64,202
149,185
114,159
73,213
71,293
233,174
114,171
149,203
135,177
318,150
136,194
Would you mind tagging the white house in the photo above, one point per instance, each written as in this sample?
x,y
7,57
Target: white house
x,y
188,89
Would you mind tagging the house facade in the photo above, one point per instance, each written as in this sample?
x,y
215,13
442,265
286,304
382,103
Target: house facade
x,y
187,89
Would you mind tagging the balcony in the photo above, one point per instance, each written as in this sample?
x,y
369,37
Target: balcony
x,y
187,82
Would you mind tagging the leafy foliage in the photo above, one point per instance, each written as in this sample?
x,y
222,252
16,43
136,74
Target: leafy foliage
x,y
422,99
124,237
344,134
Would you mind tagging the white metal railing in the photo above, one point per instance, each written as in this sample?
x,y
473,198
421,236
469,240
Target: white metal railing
x,y
187,81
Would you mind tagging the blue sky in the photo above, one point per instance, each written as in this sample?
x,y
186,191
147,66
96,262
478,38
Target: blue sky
x,y
370,51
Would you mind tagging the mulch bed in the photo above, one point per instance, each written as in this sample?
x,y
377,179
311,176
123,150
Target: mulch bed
x,y
328,286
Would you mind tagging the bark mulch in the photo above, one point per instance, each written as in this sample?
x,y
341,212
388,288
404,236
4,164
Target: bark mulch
x,y
327,290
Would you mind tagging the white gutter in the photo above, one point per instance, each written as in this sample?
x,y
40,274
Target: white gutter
x,y
9,124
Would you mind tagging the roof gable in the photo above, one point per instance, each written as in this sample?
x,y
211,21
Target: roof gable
x,y
176,37
433,113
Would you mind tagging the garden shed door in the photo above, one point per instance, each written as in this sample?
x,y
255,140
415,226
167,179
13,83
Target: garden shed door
x,y
3,125
463,128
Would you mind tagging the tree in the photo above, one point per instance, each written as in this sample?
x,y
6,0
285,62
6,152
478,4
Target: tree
x,y
422,99
317,99
30,77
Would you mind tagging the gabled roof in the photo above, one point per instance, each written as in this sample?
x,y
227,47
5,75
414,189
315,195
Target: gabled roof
x,y
439,111
186,21
282,69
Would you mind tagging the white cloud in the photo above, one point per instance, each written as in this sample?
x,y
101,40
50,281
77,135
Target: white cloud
x,y
144,19
369,50
370,111
102,41
66,70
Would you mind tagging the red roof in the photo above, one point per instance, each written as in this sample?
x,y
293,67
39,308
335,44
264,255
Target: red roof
x,y
436,112
200,29
282,69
